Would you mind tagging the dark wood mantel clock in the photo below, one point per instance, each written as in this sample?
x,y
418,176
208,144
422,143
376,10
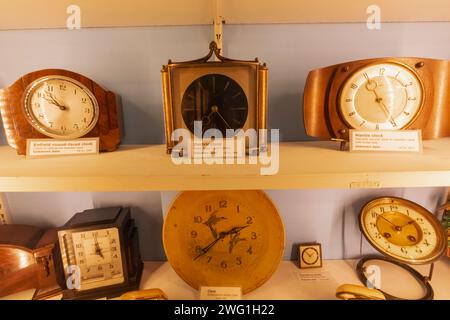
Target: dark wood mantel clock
x,y
100,254
59,104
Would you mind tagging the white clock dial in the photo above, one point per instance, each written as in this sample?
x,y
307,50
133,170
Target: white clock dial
x,y
61,107
385,96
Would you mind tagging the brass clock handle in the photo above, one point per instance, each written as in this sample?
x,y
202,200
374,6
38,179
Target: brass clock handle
x,y
357,292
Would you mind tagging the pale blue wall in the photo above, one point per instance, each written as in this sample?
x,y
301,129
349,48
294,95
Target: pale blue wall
x,y
128,61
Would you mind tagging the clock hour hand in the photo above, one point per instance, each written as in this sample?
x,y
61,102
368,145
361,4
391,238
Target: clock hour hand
x,y
50,98
372,85
98,250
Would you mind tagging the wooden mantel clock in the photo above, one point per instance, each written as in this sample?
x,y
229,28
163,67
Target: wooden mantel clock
x,y
222,95
100,254
378,94
27,261
59,104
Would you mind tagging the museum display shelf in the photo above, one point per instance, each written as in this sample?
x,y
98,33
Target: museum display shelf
x,y
302,165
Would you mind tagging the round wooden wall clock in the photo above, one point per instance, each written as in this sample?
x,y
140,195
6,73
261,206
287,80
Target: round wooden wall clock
x,y
59,104
224,238
378,94
223,94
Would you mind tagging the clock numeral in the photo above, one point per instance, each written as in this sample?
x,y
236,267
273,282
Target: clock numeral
x,y
40,95
113,249
111,266
50,88
426,243
393,207
404,250
382,70
408,84
223,204
87,110
373,225
254,236
393,123
115,256
407,212
208,208
80,254
75,126
377,127
362,123
238,209
223,264
113,241
198,219
250,250
83,236
349,100
84,120
418,250
78,246
50,123
396,76
208,259
374,215
63,128
382,209
412,99
366,76
351,114
238,261
406,113
75,91
82,261
83,100
249,220
194,234
354,86
37,105
419,220
62,87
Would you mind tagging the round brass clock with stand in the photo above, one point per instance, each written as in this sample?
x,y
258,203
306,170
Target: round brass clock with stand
x,y
223,238
406,234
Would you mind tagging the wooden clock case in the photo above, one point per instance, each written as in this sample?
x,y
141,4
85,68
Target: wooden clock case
x,y
18,129
114,217
27,261
322,118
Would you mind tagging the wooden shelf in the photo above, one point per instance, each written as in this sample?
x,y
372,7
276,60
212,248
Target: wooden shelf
x,y
285,284
303,165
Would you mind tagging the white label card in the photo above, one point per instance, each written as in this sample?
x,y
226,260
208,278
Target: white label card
x,y
52,147
386,141
220,293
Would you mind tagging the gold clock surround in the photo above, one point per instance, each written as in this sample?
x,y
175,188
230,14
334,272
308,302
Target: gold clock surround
x,y
322,115
198,220
177,76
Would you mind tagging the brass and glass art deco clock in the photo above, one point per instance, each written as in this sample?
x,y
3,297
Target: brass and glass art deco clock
x,y
225,95
224,238
378,94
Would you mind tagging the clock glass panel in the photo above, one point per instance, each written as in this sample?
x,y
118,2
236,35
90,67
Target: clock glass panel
x,y
217,101
386,96
224,238
61,107
402,230
97,253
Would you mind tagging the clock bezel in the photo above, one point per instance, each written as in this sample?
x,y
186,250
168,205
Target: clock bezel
x,y
372,64
31,89
440,235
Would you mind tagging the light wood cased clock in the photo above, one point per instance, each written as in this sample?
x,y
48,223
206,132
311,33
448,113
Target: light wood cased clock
x,y
224,94
100,254
378,94
59,104
310,255
224,238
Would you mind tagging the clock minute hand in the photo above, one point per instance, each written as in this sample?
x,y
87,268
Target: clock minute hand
x,y
53,101
223,119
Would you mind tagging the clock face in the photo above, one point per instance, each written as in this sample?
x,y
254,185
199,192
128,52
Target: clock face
x,y
310,256
97,254
385,96
61,107
402,230
224,238
217,101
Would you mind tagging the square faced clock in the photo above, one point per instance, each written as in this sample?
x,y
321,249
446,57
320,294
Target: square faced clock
x,y
310,255
224,95
100,254
59,104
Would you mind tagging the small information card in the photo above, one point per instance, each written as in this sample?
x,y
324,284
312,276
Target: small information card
x,y
386,141
220,293
53,147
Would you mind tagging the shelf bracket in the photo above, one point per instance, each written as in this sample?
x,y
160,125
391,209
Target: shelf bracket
x,y
218,23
